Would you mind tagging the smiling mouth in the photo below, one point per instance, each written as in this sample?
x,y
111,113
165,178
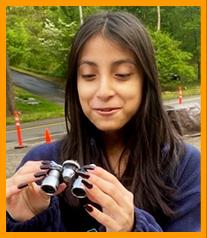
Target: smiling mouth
x,y
107,111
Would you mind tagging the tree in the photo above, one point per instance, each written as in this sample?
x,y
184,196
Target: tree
x,y
158,18
10,102
187,31
39,38
171,59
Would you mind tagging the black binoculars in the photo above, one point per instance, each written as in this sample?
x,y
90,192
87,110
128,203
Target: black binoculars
x,y
64,173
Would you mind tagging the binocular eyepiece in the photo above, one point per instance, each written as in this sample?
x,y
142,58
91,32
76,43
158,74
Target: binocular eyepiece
x,y
64,173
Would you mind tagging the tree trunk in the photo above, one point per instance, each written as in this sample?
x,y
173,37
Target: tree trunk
x,y
158,18
199,70
10,102
81,14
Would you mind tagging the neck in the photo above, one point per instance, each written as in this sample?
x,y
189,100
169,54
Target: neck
x,y
114,147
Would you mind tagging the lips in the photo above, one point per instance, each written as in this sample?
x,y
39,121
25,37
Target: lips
x,y
106,111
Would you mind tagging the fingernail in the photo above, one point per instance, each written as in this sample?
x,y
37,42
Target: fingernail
x,y
45,166
90,167
88,208
46,162
40,174
22,185
88,185
83,174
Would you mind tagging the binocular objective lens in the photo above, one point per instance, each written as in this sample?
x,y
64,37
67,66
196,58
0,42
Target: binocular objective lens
x,y
51,182
78,189
79,192
48,189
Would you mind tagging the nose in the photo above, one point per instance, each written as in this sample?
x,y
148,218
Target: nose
x,y
105,88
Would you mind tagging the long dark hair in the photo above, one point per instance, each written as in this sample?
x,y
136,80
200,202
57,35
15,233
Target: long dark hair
x,y
153,145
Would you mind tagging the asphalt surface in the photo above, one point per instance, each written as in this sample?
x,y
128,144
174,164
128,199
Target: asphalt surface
x,y
187,102
33,133
54,93
40,87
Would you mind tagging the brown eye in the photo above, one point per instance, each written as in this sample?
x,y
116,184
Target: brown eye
x,y
88,76
123,76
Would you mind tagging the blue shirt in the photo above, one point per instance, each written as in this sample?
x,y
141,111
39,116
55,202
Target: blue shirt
x,y
59,216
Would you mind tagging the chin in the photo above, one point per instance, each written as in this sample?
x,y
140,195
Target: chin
x,y
106,128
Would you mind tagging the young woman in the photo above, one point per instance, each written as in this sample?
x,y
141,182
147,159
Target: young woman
x,y
146,178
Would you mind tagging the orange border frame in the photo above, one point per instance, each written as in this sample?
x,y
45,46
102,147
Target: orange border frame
x,y
3,5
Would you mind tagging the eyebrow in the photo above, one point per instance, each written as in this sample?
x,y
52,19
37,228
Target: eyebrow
x,y
115,63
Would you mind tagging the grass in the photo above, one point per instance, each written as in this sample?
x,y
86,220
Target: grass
x,y
167,95
46,109
187,92
43,110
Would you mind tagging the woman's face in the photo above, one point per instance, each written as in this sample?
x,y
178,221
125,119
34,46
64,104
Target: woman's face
x,y
109,83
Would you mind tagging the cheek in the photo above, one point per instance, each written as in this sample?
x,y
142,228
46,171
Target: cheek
x,y
84,94
85,89
133,101
133,94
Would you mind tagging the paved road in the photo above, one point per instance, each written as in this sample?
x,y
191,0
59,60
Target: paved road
x,y
55,93
40,87
33,133
187,102
14,156
35,130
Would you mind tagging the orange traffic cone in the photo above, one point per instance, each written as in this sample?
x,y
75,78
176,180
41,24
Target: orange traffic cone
x,y
180,96
48,137
18,130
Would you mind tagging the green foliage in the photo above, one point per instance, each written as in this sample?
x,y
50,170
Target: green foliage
x,y
172,60
188,29
39,38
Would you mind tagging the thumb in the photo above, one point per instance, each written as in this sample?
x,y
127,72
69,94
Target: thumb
x,y
61,188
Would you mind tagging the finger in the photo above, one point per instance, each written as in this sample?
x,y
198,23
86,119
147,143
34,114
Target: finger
x,y
17,182
30,166
12,190
33,188
105,175
61,188
102,218
29,178
121,196
95,195
121,214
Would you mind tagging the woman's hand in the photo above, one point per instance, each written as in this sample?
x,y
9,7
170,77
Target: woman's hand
x,y
116,201
25,199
